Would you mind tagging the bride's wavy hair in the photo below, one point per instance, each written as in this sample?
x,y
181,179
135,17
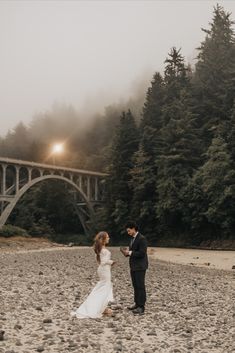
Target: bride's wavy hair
x,y
99,242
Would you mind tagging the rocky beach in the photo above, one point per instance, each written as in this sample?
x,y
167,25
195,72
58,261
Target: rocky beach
x,y
189,308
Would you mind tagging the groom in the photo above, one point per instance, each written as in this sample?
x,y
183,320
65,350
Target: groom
x,y
138,261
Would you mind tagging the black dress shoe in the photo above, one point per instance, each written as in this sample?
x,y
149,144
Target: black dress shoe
x,y
133,307
138,311
2,335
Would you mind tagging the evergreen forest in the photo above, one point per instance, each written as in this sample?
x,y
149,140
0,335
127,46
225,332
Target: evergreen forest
x,y
169,154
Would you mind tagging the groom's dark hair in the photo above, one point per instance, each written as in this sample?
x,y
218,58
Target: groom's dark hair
x,y
131,224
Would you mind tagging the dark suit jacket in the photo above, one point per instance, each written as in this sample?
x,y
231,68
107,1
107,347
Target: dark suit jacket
x,y
138,259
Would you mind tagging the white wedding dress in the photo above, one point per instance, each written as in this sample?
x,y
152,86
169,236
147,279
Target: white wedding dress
x,y
101,294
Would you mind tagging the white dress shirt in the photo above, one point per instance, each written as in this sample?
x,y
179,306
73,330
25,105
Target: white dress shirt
x,y
132,240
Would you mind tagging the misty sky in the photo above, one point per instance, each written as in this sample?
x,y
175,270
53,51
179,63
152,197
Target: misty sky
x,y
89,53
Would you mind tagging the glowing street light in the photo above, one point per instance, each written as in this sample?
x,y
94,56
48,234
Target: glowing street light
x,y
57,148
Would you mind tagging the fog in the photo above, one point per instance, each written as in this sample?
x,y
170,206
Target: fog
x,y
89,54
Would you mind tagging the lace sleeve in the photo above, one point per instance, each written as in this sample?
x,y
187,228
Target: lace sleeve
x,y
105,258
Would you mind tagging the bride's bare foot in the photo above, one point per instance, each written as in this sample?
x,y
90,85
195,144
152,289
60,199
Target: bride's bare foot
x,y
108,312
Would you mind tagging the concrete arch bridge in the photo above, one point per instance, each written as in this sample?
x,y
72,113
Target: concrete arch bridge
x,y
17,176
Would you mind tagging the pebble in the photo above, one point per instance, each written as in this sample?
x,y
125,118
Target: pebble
x,y
189,309
47,321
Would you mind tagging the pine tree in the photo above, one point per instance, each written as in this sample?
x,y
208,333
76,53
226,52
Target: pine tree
x,y
16,143
144,172
214,78
152,111
228,133
176,75
180,153
119,191
143,183
214,182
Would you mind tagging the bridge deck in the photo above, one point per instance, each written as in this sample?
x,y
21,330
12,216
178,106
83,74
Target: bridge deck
x,y
49,166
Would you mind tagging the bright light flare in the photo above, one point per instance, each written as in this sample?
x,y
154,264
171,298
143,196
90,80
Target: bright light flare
x,y
57,148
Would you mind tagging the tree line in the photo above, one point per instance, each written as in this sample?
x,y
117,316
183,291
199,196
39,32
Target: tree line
x,y
170,168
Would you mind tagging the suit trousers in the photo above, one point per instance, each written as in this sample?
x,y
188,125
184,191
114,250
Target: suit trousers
x,y
138,282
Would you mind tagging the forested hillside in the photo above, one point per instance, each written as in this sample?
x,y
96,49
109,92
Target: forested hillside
x,y
171,167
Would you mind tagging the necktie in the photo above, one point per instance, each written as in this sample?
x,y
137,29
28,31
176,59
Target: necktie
x,y
132,241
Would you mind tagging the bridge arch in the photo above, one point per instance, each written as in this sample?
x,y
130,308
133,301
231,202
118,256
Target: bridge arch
x,y
87,184
9,208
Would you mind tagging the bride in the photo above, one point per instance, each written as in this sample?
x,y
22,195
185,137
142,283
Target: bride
x,y
97,301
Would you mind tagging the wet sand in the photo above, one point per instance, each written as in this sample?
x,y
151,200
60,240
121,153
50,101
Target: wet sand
x,y
189,308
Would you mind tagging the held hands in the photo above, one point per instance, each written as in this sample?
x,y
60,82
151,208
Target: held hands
x,y
125,251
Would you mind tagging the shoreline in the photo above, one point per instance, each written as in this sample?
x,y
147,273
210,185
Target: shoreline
x,y
206,258
211,259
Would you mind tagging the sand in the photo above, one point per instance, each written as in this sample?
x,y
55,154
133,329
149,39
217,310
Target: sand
x,y
218,259
189,308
